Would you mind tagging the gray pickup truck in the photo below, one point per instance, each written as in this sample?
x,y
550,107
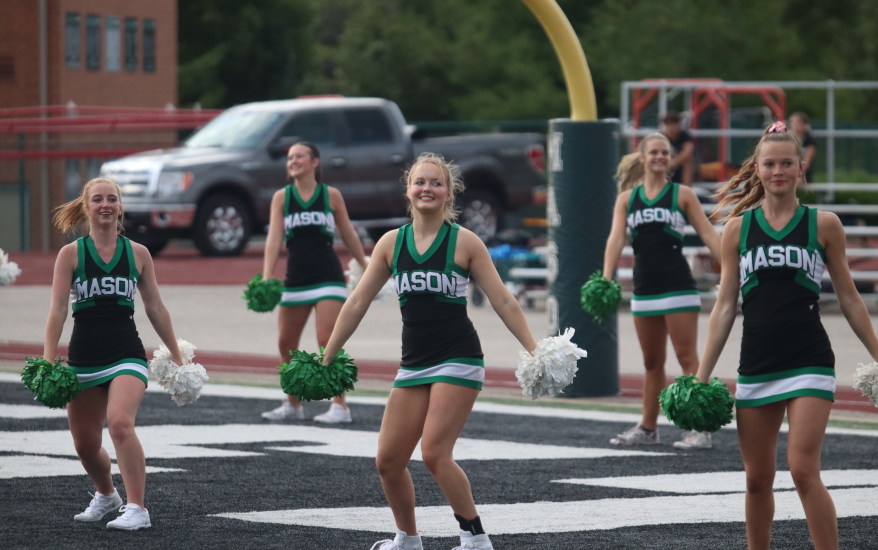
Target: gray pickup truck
x,y
217,186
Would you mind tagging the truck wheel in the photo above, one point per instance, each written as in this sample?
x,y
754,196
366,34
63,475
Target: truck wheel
x,y
222,226
482,213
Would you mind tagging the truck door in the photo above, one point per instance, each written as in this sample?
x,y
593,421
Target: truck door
x,y
320,128
377,157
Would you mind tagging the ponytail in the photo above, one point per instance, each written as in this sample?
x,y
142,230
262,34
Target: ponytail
x,y
752,192
631,171
70,215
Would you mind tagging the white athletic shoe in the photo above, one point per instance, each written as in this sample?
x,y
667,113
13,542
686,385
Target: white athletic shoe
x,y
637,435
334,415
100,506
286,410
402,541
476,542
133,518
695,440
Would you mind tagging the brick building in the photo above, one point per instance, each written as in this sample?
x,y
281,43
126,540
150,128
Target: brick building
x,y
109,53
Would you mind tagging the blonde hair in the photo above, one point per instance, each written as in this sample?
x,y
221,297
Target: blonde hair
x,y
451,175
752,192
630,171
70,215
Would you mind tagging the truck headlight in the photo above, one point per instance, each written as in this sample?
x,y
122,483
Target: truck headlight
x,y
172,183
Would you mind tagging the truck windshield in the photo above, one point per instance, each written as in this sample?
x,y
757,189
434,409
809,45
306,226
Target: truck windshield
x,y
244,129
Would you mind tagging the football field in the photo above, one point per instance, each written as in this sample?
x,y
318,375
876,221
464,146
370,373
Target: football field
x,y
221,477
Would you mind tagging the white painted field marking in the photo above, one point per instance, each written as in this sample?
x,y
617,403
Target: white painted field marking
x,y
30,411
171,441
46,466
722,482
553,517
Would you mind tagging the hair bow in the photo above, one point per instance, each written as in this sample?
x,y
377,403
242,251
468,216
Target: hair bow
x,y
779,126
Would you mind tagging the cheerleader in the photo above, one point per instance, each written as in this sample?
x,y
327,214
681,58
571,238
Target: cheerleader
x,y
774,253
666,302
306,216
442,370
100,274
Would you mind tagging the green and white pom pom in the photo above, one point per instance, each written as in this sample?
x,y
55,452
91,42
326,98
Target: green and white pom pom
x,y
866,380
691,405
601,297
263,295
54,385
308,379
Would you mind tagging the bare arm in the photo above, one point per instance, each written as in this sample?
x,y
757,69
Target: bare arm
x,y
695,214
357,304
62,278
810,152
155,309
344,227
726,308
275,237
472,251
616,240
830,233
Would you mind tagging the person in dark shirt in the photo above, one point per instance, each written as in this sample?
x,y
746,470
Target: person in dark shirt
x,y
681,143
802,128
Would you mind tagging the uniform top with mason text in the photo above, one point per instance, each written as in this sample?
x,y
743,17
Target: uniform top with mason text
x,y
109,285
780,270
656,225
311,221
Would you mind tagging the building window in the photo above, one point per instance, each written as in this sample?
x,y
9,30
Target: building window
x,y
130,44
93,42
149,45
113,55
72,41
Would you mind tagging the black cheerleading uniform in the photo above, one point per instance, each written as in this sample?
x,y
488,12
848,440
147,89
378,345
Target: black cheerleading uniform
x,y
785,351
104,343
314,272
663,283
439,342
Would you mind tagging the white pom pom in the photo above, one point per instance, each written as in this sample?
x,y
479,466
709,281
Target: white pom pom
x,y
162,364
9,271
354,273
866,380
552,366
187,383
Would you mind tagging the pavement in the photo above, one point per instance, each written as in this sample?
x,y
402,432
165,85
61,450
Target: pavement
x,y
239,345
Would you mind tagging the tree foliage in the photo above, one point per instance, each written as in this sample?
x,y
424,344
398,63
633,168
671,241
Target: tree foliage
x,y
465,60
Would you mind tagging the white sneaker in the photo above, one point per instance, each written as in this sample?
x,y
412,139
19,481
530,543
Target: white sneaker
x,y
286,410
402,541
638,435
336,414
133,518
100,506
477,542
695,440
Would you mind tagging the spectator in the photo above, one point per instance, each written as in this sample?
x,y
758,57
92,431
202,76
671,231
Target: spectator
x,y
683,149
802,128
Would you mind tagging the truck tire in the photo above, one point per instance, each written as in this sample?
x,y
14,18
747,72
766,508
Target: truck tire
x,y
481,213
222,226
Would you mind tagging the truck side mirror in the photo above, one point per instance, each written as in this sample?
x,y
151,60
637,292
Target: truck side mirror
x,y
281,145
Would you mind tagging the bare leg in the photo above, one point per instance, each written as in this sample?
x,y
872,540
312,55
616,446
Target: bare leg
x,y
450,407
126,393
757,436
683,330
326,313
86,416
290,323
401,429
807,418
653,335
